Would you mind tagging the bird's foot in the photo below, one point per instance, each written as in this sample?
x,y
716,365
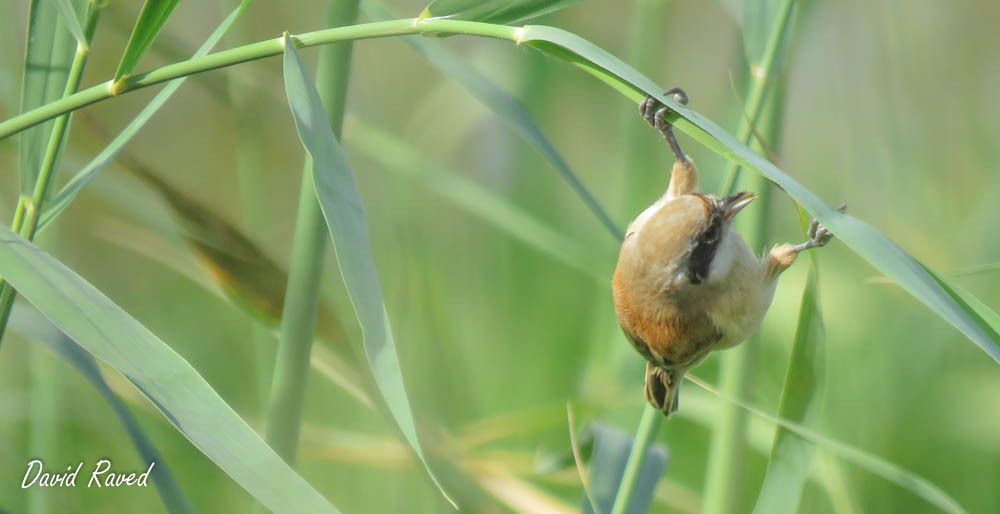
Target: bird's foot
x,y
655,114
662,388
818,234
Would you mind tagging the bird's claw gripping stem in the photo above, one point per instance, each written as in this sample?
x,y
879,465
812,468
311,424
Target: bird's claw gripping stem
x,y
655,113
818,234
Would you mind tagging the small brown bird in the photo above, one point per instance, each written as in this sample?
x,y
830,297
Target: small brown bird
x,y
686,283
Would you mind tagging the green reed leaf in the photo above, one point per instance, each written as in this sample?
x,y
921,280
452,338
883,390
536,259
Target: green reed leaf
x,y
345,216
152,18
102,328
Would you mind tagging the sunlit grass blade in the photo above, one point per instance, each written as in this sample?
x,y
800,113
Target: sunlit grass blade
x,y
102,328
66,195
47,58
344,212
152,18
32,324
493,11
508,108
611,452
67,13
904,478
398,156
791,456
865,240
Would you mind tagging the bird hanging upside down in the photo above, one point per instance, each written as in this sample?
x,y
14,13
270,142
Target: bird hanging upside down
x,y
686,283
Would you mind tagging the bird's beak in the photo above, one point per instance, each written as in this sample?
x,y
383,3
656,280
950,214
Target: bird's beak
x,y
734,203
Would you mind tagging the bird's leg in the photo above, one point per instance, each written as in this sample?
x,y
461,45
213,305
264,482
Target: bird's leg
x,y
782,256
683,176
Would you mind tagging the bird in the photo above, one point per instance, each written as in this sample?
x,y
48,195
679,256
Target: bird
x,y
686,283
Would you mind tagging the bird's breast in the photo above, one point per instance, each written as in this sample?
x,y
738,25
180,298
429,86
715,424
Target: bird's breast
x,y
664,330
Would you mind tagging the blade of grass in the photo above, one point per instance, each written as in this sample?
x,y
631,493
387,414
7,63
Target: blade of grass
x,y
791,456
578,460
492,11
66,195
67,13
990,318
32,324
152,18
47,58
102,328
298,319
873,463
864,239
48,52
344,212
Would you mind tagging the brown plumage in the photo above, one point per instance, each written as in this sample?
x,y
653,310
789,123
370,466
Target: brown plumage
x,y
686,283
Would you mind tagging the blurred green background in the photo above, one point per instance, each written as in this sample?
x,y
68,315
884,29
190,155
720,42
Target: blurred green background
x,y
889,106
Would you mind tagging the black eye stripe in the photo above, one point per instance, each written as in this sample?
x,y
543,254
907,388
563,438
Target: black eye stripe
x,y
705,246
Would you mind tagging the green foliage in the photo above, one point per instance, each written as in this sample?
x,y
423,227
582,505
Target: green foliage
x,y
102,328
864,239
46,66
62,199
152,18
498,335
791,456
31,323
345,216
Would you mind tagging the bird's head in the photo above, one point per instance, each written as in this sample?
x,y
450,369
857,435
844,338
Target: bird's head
x,y
685,240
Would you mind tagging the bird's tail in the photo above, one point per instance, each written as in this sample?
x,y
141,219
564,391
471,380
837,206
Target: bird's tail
x,y
662,388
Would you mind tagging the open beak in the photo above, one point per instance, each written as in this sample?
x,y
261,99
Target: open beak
x,y
734,203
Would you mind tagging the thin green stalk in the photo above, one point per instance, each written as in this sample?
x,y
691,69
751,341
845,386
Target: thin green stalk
x,y
644,53
28,209
728,443
251,52
43,437
298,321
760,78
648,425
644,24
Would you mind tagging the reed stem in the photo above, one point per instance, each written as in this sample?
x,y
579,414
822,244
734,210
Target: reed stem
x,y
298,320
